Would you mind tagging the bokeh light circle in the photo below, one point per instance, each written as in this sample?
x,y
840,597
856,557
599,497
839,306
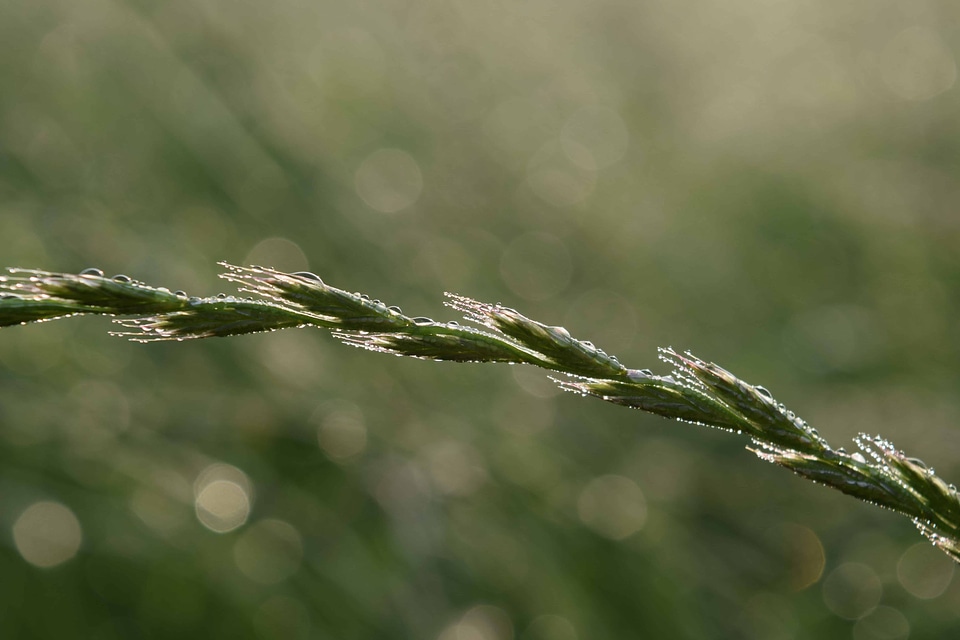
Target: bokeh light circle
x,y
925,571
389,180
550,627
852,590
342,433
613,506
883,623
482,622
222,506
278,253
223,497
269,551
556,179
47,534
594,138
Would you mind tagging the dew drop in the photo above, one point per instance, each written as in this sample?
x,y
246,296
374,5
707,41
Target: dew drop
x,y
562,332
221,295
395,309
588,345
646,372
92,271
422,321
453,323
180,293
364,297
121,278
194,300
308,276
859,458
763,391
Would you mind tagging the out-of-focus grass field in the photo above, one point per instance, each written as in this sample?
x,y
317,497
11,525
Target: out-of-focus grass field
x,y
773,185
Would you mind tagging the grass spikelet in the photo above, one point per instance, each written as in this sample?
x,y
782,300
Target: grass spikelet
x,y
695,391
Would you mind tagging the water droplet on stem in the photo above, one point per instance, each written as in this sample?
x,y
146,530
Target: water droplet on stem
x,y
307,275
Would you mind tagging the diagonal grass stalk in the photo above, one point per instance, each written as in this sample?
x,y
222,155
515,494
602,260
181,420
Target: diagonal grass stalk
x,y
695,391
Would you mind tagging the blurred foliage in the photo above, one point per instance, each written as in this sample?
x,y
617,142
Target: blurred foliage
x,y
772,185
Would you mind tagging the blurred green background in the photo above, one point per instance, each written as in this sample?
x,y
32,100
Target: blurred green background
x,y
773,185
